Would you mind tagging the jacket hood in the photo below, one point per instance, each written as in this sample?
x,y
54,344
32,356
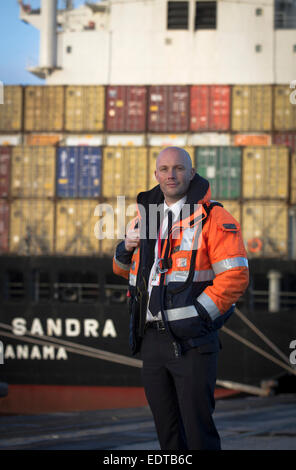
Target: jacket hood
x,y
199,192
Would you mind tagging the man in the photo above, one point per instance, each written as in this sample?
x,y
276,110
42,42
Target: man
x,y
182,288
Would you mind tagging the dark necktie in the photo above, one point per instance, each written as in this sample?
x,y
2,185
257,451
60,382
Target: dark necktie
x,y
155,297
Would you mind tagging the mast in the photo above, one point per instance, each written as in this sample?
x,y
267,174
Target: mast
x,y
48,35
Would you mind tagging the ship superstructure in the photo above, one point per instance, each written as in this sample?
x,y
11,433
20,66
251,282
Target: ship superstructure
x,y
166,42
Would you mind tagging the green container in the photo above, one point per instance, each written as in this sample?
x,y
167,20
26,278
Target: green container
x,y
221,166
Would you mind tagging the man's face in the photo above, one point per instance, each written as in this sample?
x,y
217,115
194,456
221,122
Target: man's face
x,y
173,173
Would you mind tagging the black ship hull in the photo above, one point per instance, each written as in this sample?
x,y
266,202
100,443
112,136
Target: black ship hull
x,y
64,331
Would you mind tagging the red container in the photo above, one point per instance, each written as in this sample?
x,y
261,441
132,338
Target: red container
x,y
126,108
209,107
168,109
288,139
4,224
5,161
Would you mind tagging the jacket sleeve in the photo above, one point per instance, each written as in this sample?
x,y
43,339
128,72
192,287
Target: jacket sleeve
x,y
122,260
229,262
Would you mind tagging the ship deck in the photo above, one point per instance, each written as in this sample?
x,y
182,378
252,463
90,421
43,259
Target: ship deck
x,y
244,423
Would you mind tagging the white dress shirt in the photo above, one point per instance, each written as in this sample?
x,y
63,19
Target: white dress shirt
x,y
176,209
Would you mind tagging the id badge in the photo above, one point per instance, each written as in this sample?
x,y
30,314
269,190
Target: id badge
x,y
155,279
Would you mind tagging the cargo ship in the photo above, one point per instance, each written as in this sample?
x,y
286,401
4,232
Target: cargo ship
x,y
122,80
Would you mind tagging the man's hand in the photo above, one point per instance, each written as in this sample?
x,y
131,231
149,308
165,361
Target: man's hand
x,y
132,239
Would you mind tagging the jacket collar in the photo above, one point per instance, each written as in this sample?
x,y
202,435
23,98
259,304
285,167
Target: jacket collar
x,y
198,192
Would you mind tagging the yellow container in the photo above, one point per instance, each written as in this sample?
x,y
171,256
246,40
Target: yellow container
x,y
284,110
153,153
234,208
31,227
33,171
265,172
265,228
75,227
44,108
85,108
293,180
251,108
11,111
113,223
124,171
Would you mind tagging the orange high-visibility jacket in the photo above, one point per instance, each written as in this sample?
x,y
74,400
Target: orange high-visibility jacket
x,y
203,268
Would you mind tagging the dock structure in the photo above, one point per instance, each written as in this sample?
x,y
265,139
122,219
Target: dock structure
x,y
244,423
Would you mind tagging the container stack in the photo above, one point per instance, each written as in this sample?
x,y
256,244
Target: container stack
x,y
5,165
32,189
68,152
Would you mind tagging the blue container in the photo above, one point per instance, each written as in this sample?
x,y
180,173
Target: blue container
x,y
79,172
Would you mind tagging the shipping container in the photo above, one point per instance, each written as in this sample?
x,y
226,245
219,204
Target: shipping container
x,y
251,139
11,111
124,171
265,228
31,227
125,140
284,111
86,139
289,140
153,153
113,223
126,108
4,225
44,108
43,139
5,165
85,108
221,166
168,109
251,108
33,171
167,140
209,138
265,172
79,171
75,227
209,107
11,139
233,207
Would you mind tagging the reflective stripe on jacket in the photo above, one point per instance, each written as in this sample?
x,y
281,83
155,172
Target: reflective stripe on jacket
x,y
206,274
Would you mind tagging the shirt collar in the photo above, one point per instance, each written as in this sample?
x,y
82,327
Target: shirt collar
x,y
175,208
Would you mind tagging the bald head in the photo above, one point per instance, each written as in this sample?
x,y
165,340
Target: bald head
x,y
174,172
181,154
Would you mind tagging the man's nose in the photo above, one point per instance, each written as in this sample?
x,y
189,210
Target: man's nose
x,y
171,174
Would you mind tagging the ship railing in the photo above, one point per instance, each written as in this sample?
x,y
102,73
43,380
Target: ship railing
x,y
262,296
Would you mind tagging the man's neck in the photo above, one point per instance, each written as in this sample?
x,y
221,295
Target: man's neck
x,y
171,202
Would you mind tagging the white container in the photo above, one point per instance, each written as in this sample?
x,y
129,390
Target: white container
x,y
10,139
88,140
209,138
125,140
167,140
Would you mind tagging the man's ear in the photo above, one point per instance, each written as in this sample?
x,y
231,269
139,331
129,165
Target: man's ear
x,y
193,171
155,174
